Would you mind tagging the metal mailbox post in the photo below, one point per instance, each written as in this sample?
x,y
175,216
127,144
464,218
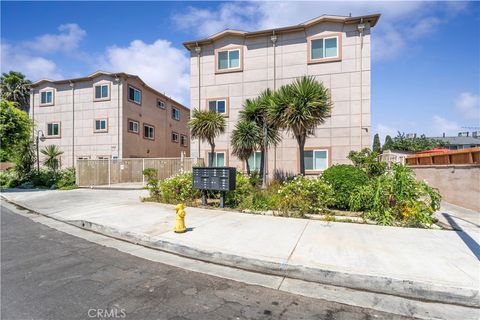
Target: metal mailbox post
x,y
214,178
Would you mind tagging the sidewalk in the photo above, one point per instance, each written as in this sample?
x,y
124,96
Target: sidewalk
x,y
432,265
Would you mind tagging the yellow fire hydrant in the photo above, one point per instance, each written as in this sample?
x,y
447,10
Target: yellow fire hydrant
x,y
180,223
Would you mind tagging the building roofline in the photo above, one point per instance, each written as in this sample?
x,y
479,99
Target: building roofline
x,y
111,74
372,19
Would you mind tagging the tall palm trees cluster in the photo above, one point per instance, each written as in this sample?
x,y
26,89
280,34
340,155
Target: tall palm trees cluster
x,y
16,88
297,108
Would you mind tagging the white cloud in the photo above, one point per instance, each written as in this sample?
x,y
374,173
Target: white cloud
x,y
442,125
159,64
34,67
468,105
400,25
384,130
68,39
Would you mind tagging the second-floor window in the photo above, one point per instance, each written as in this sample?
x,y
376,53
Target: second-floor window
x,y
134,95
183,140
219,106
53,129
228,59
148,132
101,125
101,91
324,48
46,97
175,113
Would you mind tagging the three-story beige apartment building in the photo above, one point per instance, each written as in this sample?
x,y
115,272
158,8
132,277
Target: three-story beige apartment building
x,y
108,116
231,66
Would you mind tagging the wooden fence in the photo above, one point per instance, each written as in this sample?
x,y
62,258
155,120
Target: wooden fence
x,y
108,172
453,157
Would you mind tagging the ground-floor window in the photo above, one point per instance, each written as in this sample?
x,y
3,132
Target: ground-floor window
x,y
316,160
254,161
218,159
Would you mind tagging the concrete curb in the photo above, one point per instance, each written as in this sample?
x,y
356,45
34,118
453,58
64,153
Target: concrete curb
x,y
410,289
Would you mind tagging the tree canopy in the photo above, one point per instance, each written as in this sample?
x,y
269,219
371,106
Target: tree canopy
x,y
16,88
414,144
15,126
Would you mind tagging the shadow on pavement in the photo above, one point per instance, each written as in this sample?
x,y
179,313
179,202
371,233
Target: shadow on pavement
x,y
466,238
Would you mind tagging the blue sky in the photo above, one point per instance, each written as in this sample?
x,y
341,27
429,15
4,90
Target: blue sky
x,y
425,65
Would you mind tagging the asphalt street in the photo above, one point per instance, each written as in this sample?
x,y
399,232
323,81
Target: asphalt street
x,y
48,274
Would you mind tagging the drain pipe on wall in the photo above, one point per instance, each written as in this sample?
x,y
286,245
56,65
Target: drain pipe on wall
x,y
361,29
274,39
198,50
117,79
72,85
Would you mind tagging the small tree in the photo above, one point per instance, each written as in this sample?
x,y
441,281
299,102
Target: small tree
x,y
16,88
388,145
246,138
299,108
206,126
51,153
25,159
15,127
376,144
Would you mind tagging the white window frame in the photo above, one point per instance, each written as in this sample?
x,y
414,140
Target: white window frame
x,y
51,103
315,169
337,56
228,68
135,122
216,158
101,85
216,105
100,130
183,140
59,130
175,134
133,100
144,131
254,154
163,104
175,116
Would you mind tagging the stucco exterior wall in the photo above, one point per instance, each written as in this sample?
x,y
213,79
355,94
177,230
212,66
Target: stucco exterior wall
x,y
135,145
76,111
457,184
347,79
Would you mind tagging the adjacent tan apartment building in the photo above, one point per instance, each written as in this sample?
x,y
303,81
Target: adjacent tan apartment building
x,y
108,116
231,66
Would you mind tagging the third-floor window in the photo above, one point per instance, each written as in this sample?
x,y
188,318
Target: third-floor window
x,y
102,91
134,95
229,60
324,48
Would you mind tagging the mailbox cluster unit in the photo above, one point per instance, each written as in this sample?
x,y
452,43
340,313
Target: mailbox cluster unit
x,y
214,178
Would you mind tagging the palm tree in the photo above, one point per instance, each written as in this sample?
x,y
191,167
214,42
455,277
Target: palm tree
x,y
51,153
256,110
299,108
206,126
16,88
246,138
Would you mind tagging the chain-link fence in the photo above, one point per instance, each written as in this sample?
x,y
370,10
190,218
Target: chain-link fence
x,y
124,171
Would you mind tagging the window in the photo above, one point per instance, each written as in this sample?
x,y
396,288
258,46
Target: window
x,y
134,95
53,129
324,48
46,97
83,158
183,140
133,126
254,161
228,59
101,92
218,105
161,104
148,132
316,160
175,113
103,157
218,159
174,137
101,125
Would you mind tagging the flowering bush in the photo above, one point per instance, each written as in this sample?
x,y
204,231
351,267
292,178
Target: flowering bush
x,y
303,195
178,189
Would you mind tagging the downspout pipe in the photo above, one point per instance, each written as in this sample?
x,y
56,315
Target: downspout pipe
x,y
117,79
198,51
274,39
361,30
72,85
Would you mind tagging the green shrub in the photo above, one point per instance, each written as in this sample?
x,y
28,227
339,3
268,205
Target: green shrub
x,y
344,178
152,183
397,198
243,189
66,179
368,162
255,178
261,200
45,178
9,178
178,189
304,195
